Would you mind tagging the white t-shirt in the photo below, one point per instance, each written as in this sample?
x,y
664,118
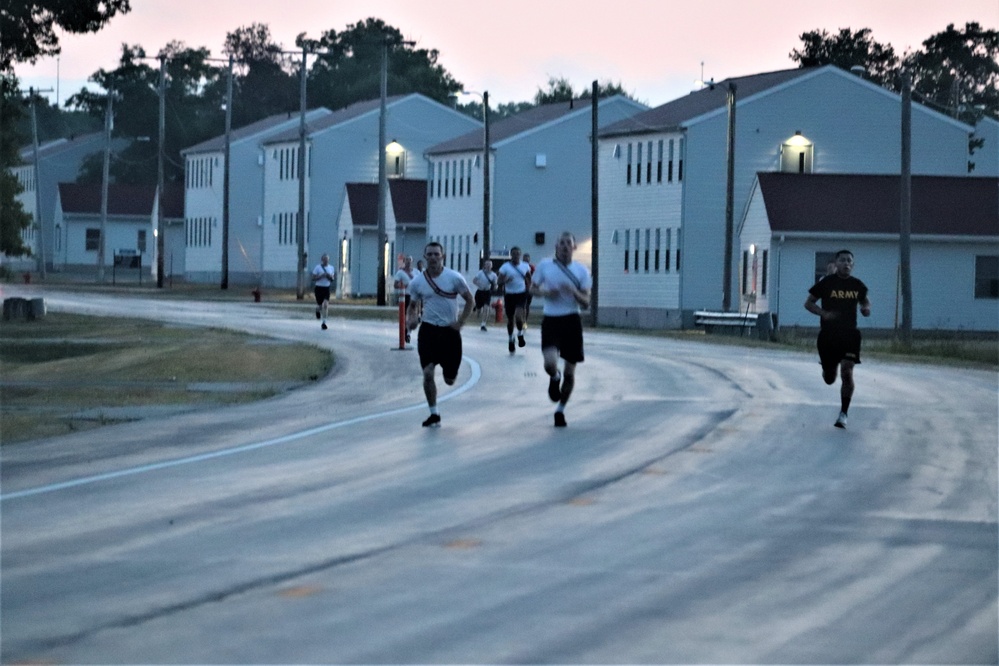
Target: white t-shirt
x,y
484,281
405,278
515,283
440,306
325,275
552,275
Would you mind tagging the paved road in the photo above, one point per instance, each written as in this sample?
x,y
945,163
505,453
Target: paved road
x,y
700,507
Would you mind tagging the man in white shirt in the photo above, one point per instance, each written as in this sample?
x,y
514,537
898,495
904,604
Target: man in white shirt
x,y
322,278
565,285
485,282
403,277
515,276
439,341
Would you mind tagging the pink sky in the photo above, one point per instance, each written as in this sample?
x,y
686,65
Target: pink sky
x,y
653,48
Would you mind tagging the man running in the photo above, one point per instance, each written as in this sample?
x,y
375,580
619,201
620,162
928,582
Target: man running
x,y
515,276
439,341
403,277
565,286
839,338
322,277
485,282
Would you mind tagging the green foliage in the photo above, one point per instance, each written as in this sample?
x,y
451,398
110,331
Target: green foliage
x,y
561,90
955,72
13,218
29,26
848,49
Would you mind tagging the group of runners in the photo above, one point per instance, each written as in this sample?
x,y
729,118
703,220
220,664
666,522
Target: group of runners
x,y
431,297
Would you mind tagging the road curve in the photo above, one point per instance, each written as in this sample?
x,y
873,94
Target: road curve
x,y
700,507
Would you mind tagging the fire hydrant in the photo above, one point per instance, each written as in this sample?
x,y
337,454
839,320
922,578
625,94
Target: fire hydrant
x,y
498,306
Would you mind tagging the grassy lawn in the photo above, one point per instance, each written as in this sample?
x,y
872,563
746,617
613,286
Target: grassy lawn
x,y
71,372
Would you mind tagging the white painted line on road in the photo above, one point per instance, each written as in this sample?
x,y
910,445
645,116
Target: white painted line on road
x,y
142,469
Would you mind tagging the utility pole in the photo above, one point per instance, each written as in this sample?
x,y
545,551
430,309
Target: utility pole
x,y
39,227
729,202
300,227
225,179
594,199
905,211
160,240
108,123
382,177
487,222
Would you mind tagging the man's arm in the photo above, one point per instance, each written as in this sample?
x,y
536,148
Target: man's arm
x,y
413,313
812,305
467,310
865,307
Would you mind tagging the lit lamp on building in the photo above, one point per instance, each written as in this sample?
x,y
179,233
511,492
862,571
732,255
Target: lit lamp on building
x,y
396,157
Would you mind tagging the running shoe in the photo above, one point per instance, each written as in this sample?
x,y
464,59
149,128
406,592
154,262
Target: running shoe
x,y
317,314
560,420
434,421
521,342
407,338
482,327
554,392
841,421
511,346
325,326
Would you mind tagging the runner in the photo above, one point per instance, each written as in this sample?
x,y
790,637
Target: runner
x,y
439,341
839,338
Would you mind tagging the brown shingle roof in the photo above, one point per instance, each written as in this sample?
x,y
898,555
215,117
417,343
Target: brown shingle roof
x,y
408,197
134,200
217,144
870,204
508,127
672,115
335,118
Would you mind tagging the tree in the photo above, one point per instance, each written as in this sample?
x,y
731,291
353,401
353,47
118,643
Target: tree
x,y
193,108
348,66
13,218
266,79
29,26
848,49
957,71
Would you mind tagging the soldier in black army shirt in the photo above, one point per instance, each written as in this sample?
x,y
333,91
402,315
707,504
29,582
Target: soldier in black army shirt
x,y
839,338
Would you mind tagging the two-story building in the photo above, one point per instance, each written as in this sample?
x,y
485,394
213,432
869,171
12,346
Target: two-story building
x,y
540,175
59,161
344,149
664,185
204,166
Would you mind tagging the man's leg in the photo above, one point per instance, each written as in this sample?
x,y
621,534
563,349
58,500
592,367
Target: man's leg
x,y
568,382
520,327
846,389
430,390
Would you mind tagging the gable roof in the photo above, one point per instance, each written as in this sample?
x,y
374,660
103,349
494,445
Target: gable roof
x,y
217,143
93,140
133,200
355,110
870,204
408,197
520,123
672,115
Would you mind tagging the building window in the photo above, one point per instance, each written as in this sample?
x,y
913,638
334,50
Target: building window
x,y
763,273
745,272
825,264
648,165
796,155
638,242
93,241
669,247
658,242
627,248
628,180
659,163
679,168
669,170
648,243
140,241
987,276
638,166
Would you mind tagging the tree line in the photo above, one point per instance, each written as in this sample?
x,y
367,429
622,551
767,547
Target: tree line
x,y
956,70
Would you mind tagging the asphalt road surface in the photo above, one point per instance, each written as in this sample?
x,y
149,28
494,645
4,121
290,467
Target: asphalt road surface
x,y
699,508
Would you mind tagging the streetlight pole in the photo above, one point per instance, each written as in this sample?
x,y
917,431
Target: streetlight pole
x,y
38,189
382,177
105,174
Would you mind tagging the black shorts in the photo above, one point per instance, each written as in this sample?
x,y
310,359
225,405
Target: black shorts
x,y
564,333
482,297
513,301
836,346
322,294
440,345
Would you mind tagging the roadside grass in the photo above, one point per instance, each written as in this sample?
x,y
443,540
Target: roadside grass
x,y
69,372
